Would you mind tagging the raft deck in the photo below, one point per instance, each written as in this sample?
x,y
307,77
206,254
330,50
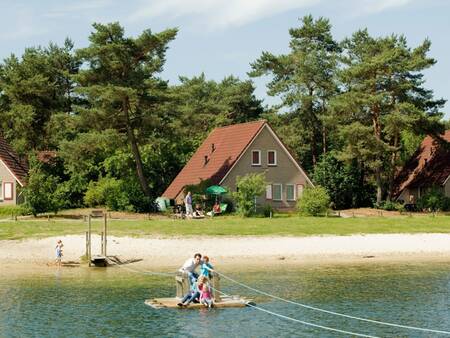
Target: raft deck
x,y
225,301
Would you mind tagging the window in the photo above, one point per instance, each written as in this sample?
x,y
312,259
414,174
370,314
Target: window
x,y
256,157
271,157
269,192
299,190
290,192
277,192
7,191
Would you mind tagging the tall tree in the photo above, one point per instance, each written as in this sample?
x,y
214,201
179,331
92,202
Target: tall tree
x,y
119,79
383,95
198,105
304,79
33,89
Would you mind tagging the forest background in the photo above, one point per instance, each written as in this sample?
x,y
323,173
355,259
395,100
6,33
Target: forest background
x,y
351,111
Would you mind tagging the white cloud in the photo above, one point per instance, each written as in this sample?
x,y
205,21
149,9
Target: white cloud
x,y
218,13
19,22
375,6
82,6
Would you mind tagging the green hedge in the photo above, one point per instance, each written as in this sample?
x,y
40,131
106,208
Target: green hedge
x,y
12,210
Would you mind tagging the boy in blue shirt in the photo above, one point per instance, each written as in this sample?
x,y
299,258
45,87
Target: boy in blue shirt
x,y
206,268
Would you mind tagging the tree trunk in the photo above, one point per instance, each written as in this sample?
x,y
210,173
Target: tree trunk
x,y
313,149
324,139
377,133
392,171
135,150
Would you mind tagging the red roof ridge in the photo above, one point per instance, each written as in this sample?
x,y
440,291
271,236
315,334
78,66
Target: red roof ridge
x,y
240,124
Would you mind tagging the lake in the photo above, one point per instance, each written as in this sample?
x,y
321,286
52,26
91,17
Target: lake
x,y
82,302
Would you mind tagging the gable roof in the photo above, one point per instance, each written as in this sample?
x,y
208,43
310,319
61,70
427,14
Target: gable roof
x,y
430,165
229,142
12,161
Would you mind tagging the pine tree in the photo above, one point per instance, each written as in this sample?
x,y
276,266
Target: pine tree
x,y
119,80
304,79
383,95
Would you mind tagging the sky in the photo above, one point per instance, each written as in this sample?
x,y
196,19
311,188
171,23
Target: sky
x,y
222,37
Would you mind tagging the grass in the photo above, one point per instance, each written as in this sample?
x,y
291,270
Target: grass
x,y
230,226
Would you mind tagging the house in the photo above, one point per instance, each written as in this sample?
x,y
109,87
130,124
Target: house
x,y
429,167
240,149
13,172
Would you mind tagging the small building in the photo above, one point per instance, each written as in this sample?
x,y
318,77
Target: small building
x,y
240,149
429,167
13,173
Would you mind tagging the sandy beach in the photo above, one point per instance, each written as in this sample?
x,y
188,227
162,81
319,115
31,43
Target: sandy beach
x,y
171,252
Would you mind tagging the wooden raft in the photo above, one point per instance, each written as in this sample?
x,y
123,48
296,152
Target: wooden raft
x,y
182,282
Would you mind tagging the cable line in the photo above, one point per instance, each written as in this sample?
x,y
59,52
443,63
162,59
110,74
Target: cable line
x,y
301,321
332,312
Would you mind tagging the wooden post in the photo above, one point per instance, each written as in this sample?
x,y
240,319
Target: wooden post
x,y
102,239
87,245
89,240
105,241
179,284
215,281
183,284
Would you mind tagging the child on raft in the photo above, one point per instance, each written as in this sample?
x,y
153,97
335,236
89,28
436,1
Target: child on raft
x,y
205,293
206,268
193,295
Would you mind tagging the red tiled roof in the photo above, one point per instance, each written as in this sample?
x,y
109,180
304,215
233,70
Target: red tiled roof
x,y
18,167
229,142
429,166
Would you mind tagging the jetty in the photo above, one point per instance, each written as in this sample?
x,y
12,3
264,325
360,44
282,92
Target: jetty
x,y
182,283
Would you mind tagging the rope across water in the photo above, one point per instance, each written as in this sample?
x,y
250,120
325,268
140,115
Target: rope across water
x,y
332,312
301,321
155,273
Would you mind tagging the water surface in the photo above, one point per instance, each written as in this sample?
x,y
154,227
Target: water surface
x,y
109,302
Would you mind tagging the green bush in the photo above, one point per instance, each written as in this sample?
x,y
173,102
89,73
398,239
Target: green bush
x,y
248,187
108,192
390,206
41,192
314,202
267,210
12,210
434,200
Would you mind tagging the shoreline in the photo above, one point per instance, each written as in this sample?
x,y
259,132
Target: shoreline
x,y
236,251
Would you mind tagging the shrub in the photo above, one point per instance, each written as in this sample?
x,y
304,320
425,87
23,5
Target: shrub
x,y
315,201
248,187
41,192
390,206
108,192
267,210
12,210
434,200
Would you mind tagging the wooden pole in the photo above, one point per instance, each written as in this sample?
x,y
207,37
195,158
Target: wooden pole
x,y
105,241
102,242
215,281
87,245
89,239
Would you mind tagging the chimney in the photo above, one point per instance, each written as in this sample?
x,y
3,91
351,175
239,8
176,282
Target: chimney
x,y
213,147
206,160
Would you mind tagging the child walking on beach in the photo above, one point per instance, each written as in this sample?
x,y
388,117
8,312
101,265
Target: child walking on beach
x,y
58,251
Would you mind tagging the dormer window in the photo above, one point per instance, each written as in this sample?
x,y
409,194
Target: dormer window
x,y
271,157
256,157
